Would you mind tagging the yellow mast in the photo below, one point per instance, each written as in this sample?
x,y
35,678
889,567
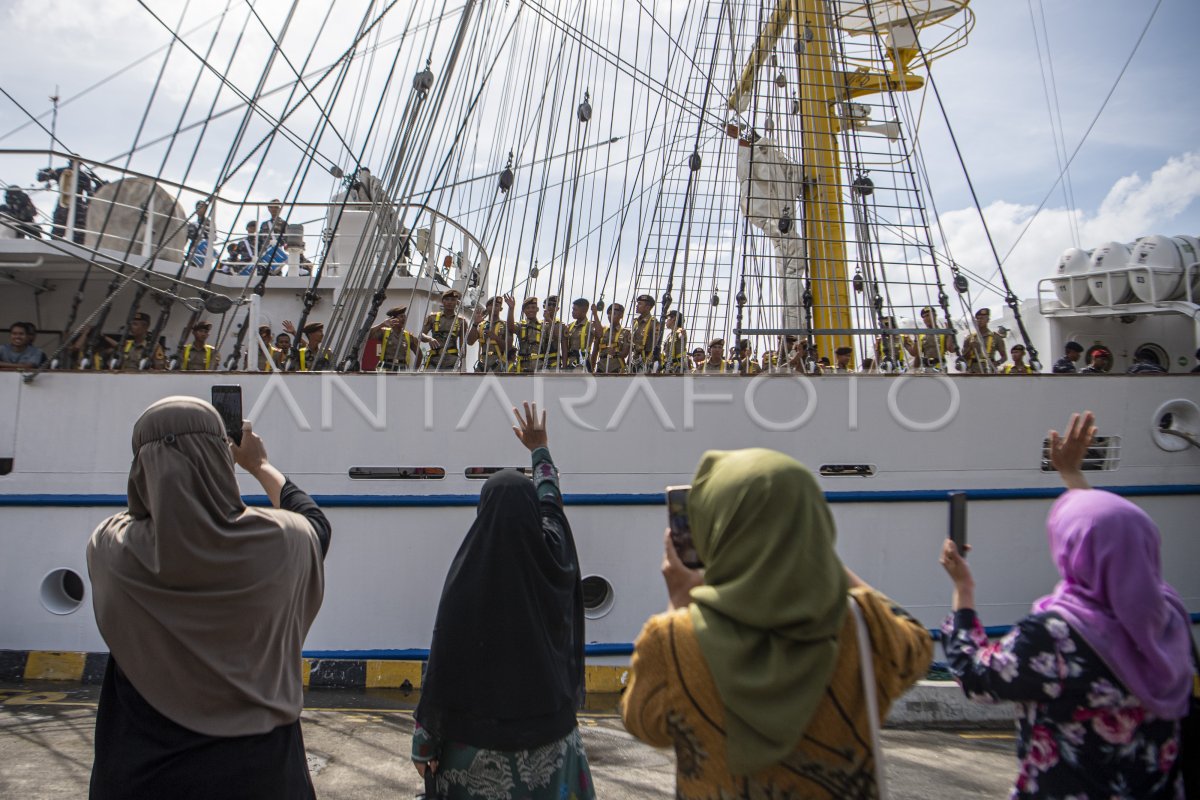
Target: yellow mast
x,y
824,88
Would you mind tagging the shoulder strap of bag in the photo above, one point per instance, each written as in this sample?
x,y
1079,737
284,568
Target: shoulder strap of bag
x,y
867,668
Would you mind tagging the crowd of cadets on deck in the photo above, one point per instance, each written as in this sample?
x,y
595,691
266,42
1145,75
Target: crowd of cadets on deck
x,y
535,339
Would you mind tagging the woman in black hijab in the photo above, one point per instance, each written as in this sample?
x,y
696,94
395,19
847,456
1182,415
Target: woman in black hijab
x,y
505,674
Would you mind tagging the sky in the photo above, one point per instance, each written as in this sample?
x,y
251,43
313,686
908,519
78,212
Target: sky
x,y
1137,172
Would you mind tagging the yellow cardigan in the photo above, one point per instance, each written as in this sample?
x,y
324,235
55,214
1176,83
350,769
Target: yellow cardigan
x,y
671,700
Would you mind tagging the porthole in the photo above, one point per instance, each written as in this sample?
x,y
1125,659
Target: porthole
x,y
1175,426
62,591
1163,359
598,597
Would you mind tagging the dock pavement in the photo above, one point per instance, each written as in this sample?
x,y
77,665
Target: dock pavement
x,y
358,744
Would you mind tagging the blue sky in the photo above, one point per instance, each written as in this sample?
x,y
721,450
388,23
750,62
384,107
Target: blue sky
x,y
1138,172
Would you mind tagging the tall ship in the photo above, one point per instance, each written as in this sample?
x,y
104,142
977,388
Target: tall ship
x,y
560,202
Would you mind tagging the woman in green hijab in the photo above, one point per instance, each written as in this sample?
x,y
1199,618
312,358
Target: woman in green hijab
x,y
753,674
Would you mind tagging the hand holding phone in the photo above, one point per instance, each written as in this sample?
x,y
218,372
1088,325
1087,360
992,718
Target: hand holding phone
x,y
958,521
680,528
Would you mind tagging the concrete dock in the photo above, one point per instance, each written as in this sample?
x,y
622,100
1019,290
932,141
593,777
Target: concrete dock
x,y
358,744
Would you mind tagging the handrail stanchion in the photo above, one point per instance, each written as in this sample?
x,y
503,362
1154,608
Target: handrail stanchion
x,y
72,191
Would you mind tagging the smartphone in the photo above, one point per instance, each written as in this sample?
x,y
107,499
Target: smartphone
x,y
227,399
681,530
958,521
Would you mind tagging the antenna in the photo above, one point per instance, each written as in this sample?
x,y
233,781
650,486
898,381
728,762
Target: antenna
x,y
53,128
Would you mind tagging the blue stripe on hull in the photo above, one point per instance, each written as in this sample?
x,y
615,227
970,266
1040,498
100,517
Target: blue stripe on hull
x,y
615,499
598,649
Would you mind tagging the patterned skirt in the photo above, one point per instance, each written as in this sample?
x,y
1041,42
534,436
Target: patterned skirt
x,y
556,771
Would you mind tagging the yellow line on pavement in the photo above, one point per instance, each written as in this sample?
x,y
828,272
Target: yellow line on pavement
x,y
987,736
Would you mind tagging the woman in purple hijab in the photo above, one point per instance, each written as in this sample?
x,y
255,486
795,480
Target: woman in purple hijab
x,y
1102,667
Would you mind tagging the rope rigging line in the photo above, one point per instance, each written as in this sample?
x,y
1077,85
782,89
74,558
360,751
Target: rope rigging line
x,y
241,103
1010,298
1082,140
1056,132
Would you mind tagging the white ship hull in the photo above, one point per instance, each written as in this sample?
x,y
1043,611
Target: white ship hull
x,y
617,441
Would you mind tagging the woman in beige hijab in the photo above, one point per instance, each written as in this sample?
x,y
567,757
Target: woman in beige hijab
x,y
204,604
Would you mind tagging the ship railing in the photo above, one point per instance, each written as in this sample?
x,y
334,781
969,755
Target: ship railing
x,y
444,250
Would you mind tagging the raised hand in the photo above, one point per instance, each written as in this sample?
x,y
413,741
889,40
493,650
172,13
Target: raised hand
x,y
289,327
964,582
955,565
510,301
1067,453
530,427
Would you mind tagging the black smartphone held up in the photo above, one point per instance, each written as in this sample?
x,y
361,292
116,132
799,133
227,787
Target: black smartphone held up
x,y
958,521
681,529
227,399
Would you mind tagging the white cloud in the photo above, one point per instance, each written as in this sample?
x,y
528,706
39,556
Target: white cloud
x,y
1134,207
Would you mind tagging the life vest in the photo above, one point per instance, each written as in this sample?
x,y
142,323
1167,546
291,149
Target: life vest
x,y
889,348
492,354
550,350
643,348
187,355
939,340
129,361
529,339
405,345
577,340
676,347
610,344
303,355
448,338
973,357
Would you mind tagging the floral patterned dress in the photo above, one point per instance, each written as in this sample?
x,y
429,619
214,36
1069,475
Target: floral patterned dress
x,y
555,771
1080,734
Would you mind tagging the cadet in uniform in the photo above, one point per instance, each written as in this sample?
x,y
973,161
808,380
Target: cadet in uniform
x,y
1066,364
779,359
643,335
984,349
199,355
929,350
398,349
493,337
611,345
715,364
552,331
1018,365
675,355
310,355
265,363
283,346
843,356
745,363
528,332
697,358
577,337
889,348
443,332
138,346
